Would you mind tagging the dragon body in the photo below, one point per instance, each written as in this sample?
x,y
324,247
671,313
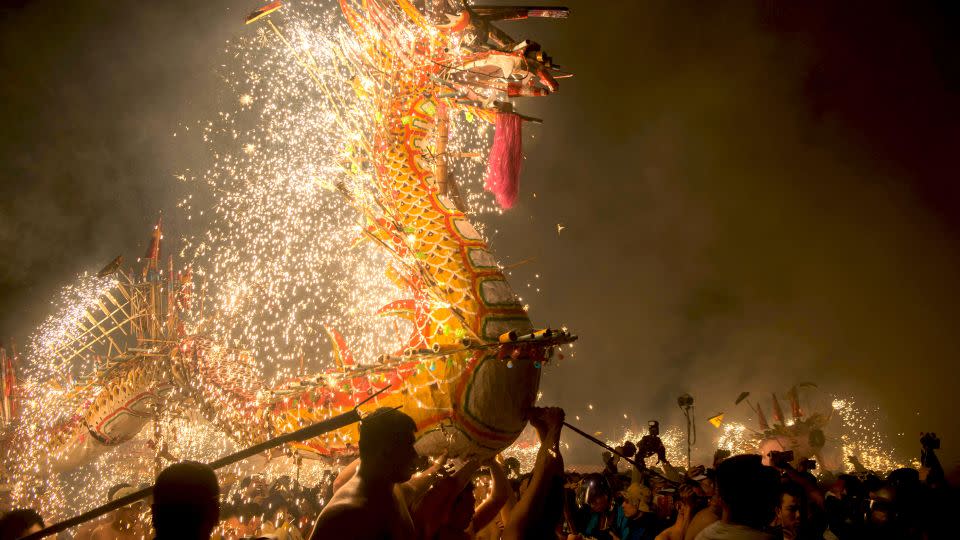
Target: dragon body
x,y
471,367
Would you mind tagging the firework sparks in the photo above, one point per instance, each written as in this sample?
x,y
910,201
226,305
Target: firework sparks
x,y
861,437
673,440
737,439
278,259
280,249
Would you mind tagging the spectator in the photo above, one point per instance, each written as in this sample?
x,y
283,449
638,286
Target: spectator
x,y
461,513
280,522
687,506
788,514
748,496
465,521
251,517
124,523
254,489
21,522
634,519
595,518
185,502
230,524
703,478
882,516
844,506
370,505
704,517
664,501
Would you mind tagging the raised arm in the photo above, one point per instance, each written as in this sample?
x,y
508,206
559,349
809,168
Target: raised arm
x,y
548,422
431,511
814,494
498,496
415,488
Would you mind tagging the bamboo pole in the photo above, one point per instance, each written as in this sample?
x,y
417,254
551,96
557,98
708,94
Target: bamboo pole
x,y
108,313
642,466
331,424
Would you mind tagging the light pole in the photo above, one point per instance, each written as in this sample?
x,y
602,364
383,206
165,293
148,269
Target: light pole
x,y
685,402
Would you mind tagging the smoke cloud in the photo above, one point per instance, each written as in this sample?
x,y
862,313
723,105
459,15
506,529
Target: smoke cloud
x,y
752,194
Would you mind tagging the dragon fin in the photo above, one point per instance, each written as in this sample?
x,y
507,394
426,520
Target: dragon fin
x,y
341,353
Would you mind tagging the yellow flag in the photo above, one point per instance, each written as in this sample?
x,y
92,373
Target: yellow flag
x,y
716,420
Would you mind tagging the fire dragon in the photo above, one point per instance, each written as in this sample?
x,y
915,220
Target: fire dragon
x,y
472,364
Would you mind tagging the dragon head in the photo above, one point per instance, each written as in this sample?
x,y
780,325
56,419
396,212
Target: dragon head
x,y
470,62
480,64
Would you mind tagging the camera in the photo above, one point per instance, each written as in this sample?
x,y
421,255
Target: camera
x,y
650,444
781,459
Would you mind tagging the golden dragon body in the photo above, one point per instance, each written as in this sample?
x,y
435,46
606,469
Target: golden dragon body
x,y
471,368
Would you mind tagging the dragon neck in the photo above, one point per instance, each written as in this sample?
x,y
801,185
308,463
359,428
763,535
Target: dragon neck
x,y
463,292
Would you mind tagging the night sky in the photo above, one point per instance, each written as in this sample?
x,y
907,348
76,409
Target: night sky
x,y
753,194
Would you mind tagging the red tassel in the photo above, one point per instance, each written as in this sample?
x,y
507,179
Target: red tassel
x,y
503,170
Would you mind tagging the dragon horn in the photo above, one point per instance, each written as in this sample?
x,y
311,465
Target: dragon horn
x,y
762,419
795,409
777,411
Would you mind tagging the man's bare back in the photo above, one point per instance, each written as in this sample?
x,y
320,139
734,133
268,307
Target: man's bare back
x,y
371,505
354,513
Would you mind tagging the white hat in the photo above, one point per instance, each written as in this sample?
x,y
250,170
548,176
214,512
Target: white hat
x,y
123,492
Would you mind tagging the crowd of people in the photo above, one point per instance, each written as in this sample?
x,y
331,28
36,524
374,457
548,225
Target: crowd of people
x,y
391,492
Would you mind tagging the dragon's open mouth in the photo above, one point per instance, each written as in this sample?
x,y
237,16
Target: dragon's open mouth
x,y
486,65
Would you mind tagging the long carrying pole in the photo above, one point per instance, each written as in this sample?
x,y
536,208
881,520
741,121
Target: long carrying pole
x,y
591,438
309,432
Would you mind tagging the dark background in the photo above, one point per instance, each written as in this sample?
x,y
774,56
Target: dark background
x,y
753,193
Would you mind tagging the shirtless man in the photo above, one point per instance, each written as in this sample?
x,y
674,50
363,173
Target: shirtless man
x,y
371,505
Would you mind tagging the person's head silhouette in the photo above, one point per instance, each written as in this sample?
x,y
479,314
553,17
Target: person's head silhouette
x,y
387,446
186,501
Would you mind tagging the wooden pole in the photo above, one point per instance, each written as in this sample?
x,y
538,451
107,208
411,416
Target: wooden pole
x,y
331,424
445,184
642,466
440,148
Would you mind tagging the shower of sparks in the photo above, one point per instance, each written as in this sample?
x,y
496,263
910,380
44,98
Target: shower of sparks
x,y
47,345
861,437
674,440
526,448
50,391
278,263
53,386
736,438
280,252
